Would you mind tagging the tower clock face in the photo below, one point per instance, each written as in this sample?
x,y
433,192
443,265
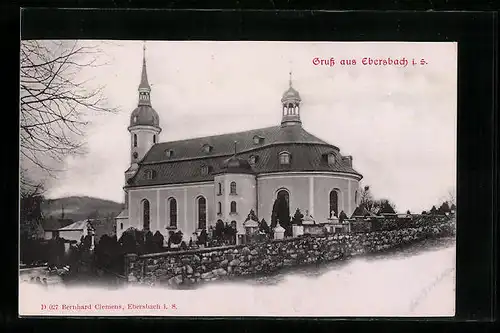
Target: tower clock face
x,y
135,155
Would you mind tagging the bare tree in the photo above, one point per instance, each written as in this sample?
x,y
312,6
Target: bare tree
x,y
366,199
55,99
452,196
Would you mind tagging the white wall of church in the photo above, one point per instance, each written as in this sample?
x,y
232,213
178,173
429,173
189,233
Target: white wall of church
x,y
187,209
245,198
145,140
308,191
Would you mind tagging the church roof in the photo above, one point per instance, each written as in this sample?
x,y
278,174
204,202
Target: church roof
x,y
144,115
236,165
188,157
224,144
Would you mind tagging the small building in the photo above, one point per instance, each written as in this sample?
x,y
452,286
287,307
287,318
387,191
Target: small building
x,y
77,230
52,225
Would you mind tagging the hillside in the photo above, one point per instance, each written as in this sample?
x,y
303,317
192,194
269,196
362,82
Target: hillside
x,y
79,208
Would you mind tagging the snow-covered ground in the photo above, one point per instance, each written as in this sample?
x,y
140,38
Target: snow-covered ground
x,y
421,284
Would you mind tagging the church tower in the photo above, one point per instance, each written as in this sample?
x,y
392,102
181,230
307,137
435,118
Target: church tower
x,y
291,106
144,126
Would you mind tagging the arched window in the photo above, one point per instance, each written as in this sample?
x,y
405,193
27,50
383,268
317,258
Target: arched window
x,y
233,188
284,158
334,203
233,206
172,211
135,140
145,215
154,138
253,159
356,197
283,193
202,213
219,189
219,208
121,226
331,158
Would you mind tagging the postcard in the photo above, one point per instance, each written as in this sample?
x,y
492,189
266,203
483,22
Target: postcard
x,y
221,179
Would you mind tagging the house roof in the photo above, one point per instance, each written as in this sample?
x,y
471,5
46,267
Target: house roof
x,y
79,225
361,211
185,165
123,214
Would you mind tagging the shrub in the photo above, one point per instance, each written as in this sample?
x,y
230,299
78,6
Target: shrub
x,y
175,237
342,216
297,217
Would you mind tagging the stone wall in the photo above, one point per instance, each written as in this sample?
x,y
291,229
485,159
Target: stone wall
x,y
182,269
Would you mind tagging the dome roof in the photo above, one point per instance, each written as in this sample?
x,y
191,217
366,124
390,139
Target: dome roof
x,y
291,94
236,165
144,115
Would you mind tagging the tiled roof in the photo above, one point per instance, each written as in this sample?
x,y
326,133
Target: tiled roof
x,y
79,225
186,164
123,214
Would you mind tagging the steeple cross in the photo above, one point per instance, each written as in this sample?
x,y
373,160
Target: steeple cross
x,y
290,79
235,143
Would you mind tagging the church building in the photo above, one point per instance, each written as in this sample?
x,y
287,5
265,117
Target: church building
x,y
190,184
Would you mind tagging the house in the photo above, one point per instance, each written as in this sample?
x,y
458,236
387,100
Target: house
x,y
77,230
51,226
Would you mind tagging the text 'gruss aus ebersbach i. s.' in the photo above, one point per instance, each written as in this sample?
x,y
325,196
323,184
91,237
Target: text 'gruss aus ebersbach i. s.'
x,y
107,307
369,61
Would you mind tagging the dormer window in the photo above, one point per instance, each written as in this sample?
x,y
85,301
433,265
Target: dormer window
x,y
149,174
258,139
205,169
284,158
169,152
331,159
253,159
207,148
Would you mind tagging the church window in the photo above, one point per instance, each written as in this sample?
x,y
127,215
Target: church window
x,y
135,155
331,158
356,197
204,170
253,159
284,158
121,226
145,215
154,139
219,189
233,188
334,203
219,208
283,193
207,148
257,139
202,212
150,174
233,207
135,140
172,205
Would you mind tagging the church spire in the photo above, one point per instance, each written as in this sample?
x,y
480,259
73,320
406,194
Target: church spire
x,y
290,103
144,88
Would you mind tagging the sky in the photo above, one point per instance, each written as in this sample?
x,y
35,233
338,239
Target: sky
x,y
398,123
